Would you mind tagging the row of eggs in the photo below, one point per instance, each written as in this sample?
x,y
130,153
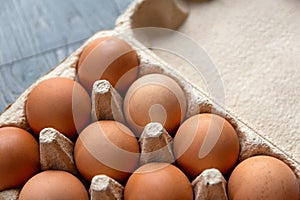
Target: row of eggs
x,y
109,147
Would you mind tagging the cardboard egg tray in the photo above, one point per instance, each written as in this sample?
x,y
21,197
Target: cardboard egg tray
x,y
56,151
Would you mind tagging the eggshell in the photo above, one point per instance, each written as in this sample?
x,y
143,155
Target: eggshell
x,y
206,141
108,58
53,184
58,103
158,181
154,98
106,147
19,157
263,178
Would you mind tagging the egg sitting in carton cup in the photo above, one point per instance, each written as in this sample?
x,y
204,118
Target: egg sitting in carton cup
x,y
113,121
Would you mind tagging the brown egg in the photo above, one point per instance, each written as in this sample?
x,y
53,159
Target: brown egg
x,y
108,58
158,181
206,141
58,103
154,98
19,157
53,184
106,147
263,178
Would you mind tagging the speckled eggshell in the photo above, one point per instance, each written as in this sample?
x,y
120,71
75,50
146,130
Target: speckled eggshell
x,y
154,98
58,103
19,157
206,141
159,181
108,58
54,184
263,178
106,147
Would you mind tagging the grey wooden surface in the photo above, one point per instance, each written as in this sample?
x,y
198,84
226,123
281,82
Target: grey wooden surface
x,y
35,35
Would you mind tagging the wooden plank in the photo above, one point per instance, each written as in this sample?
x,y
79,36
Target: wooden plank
x,y
122,4
30,27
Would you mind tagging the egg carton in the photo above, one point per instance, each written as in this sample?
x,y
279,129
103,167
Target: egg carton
x,y
56,151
